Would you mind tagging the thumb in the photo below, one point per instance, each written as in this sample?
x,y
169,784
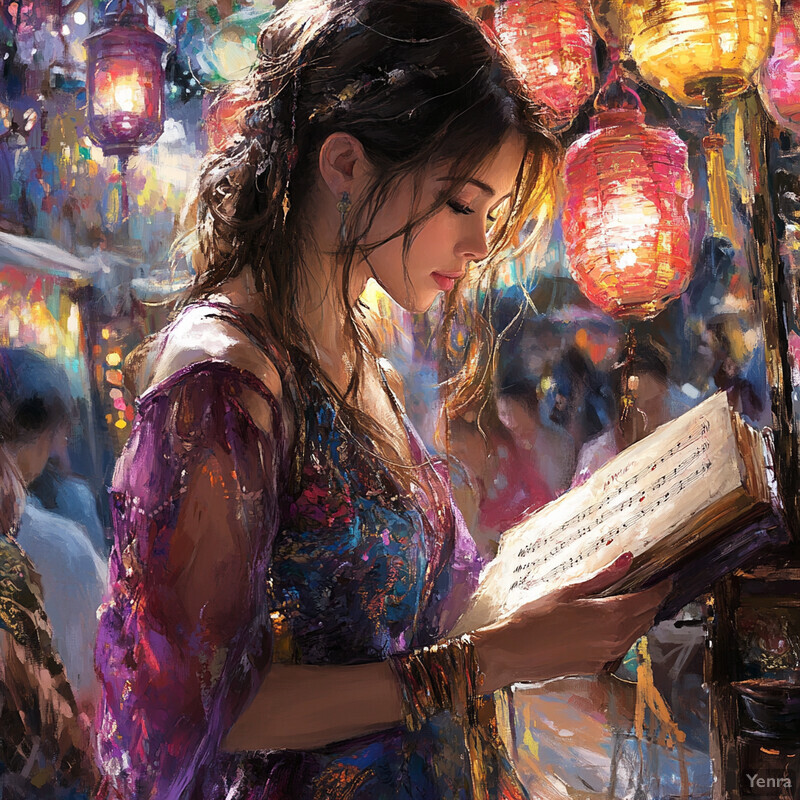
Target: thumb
x,y
597,583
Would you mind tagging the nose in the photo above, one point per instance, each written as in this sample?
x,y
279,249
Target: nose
x,y
473,245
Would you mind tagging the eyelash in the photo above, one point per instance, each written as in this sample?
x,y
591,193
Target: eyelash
x,y
460,208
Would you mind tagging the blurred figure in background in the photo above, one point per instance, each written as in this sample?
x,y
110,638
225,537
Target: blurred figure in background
x,y
495,457
36,393
739,359
44,740
58,490
581,405
549,449
648,367
742,395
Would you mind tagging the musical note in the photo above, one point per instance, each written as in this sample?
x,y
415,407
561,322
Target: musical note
x,y
649,487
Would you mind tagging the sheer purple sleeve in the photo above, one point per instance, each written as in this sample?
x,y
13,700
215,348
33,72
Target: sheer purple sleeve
x,y
184,639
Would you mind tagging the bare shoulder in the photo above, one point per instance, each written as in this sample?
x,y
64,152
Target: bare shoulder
x,y
196,336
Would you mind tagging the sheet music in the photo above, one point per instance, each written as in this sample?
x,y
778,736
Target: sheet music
x,y
638,498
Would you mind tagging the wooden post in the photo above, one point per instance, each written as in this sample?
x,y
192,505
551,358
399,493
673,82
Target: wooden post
x,y
770,294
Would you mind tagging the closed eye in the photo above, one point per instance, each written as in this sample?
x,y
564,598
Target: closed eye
x,y
460,208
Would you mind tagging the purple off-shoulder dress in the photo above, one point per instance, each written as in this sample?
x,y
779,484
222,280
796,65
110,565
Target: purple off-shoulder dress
x,y
342,567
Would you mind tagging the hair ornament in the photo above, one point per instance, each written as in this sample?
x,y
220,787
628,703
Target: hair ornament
x,y
292,152
398,76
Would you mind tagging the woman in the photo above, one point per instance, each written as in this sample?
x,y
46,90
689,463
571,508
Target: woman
x,y
494,474
286,551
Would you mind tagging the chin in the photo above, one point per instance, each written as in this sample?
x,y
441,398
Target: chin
x,y
418,305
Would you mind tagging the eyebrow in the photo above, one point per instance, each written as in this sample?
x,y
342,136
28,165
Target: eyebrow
x,y
484,187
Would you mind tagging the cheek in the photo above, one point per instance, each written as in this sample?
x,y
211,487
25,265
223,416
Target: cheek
x,y
505,416
438,234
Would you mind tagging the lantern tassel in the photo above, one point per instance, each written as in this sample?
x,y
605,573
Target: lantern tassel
x,y
718,189
629,384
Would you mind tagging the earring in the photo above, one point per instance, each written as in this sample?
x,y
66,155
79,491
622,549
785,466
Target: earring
x,y
343,206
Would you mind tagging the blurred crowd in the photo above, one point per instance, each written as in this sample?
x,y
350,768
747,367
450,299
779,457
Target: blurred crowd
x,y
537,437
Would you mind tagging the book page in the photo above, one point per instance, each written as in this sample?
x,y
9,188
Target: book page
x,y
637,499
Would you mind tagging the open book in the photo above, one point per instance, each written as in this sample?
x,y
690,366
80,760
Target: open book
x,y
696,481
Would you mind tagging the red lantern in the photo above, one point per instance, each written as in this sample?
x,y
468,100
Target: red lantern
x,y
553,43
780,75
626,221
126,92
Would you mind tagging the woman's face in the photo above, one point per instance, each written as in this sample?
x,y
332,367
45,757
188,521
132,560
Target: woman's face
x,y
443,246
517,417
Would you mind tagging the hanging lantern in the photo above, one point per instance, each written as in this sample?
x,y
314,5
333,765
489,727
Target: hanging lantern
x,y
125,86
697,51
125,80
701,53
626,220
553,43
780,75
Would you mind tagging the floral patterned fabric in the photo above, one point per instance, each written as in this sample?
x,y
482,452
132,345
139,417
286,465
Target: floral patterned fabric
x,y
343,567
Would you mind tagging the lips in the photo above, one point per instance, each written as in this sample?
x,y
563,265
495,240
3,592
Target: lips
x,y
446,280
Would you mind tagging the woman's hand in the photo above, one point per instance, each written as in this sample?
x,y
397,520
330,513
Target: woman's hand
x,y
568,633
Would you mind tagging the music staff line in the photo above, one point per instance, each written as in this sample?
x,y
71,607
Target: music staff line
x,y
698,434
608,538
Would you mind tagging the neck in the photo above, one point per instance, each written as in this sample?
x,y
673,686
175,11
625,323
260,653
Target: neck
x,y
319,306
324,313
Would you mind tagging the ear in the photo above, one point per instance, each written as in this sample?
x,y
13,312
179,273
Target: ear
x,y
343,164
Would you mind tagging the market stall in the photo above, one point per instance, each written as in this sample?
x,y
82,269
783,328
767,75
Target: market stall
x,y
46,304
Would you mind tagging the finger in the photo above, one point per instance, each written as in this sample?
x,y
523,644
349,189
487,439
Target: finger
x,y
597,583
641,622
645,599
654,595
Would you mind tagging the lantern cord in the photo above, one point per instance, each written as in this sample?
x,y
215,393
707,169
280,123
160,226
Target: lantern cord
x,y
123,188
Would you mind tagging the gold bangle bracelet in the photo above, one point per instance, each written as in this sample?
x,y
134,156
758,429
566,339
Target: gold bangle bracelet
x,y
442,677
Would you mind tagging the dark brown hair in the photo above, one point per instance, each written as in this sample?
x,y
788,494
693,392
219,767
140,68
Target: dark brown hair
x,y
417,83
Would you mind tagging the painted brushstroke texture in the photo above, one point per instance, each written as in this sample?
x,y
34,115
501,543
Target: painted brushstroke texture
x,y
344,568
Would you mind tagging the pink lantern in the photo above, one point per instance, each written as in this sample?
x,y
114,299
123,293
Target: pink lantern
x,y
553,43
125,80
626,221
780,75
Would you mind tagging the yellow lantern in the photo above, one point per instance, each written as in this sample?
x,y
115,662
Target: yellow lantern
x,y
700,53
